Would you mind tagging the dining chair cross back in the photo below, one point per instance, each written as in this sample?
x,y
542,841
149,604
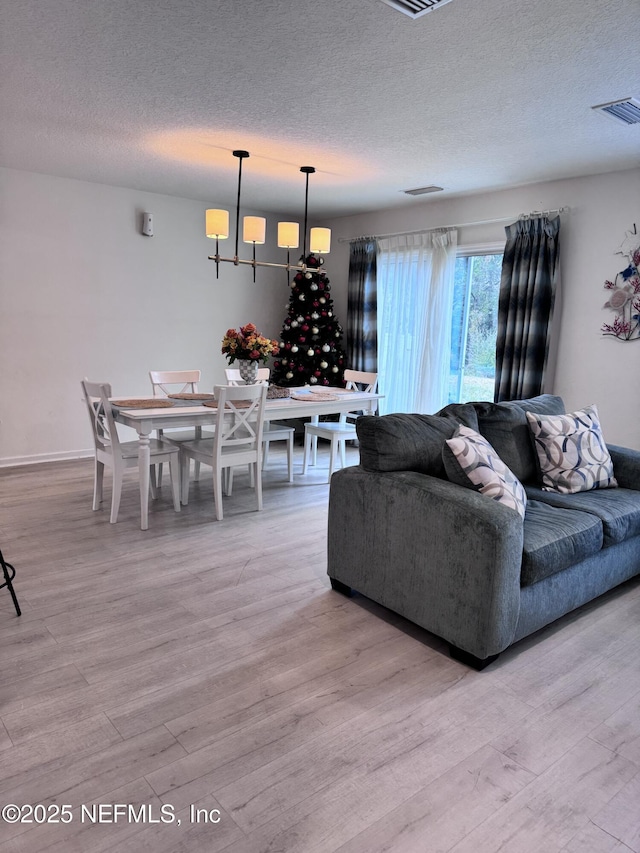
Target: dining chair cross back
x,y
274,431
338,433
121,455
167,382
237,440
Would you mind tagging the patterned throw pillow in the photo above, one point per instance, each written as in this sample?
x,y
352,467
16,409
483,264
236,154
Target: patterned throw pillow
x,y
471,461
572,453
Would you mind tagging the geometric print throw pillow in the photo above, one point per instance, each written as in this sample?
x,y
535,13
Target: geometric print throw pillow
x,y
572,453
471,461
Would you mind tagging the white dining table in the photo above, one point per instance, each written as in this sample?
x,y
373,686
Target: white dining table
x,y
145,421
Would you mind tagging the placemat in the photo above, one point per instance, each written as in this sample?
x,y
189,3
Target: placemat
x,y
150,403
332,391
239,404
310,398
190,395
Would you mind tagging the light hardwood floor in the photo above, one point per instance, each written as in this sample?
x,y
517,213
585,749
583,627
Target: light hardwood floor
x,y
209,663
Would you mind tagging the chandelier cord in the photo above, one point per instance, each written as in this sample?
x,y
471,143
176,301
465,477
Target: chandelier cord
x,y
308,170
240,155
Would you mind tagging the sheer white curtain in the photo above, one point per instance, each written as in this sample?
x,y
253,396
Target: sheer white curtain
x,y
415,299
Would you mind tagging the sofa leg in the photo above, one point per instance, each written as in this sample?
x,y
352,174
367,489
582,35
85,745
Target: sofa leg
x,y
469,659
341,587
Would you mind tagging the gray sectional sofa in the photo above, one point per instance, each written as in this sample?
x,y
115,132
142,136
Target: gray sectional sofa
x,y
460,564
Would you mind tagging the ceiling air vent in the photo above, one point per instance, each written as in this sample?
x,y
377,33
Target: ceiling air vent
x,y
424,190
415,8
627,110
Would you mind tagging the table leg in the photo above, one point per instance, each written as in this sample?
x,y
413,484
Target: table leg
x,y
144,462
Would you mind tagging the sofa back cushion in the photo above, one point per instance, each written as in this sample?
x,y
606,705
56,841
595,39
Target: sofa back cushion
x,y
409,442
506,428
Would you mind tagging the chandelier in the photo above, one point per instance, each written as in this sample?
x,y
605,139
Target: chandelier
x,y
254,231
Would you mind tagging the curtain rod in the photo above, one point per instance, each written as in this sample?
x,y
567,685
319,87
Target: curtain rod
x,y
458,225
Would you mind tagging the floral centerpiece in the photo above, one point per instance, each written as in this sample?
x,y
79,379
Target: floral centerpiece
x,y
248,344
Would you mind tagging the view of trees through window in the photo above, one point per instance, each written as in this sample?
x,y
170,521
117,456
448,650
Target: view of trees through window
x,y
474,327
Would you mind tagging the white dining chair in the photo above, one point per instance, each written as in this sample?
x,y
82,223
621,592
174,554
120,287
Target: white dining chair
x,y
275,431
166,382
121,455
237,440
338,433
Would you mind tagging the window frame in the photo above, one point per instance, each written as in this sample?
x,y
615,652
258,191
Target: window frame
x,y
472,251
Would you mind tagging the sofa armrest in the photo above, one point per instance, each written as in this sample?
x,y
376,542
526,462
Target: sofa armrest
x,y
626,466
445,557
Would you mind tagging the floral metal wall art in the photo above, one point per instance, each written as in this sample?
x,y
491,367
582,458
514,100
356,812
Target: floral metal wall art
x,y
624,293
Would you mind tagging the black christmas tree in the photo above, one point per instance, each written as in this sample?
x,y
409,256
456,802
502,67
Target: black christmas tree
x,y
310,351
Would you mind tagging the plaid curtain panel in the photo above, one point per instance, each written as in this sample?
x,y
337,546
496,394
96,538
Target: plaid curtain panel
x,y
362,306
530,274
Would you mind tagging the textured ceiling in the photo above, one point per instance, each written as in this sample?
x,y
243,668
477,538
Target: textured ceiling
x,y
477,95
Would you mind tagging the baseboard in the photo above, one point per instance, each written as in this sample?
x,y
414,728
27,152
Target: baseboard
x,y
36,459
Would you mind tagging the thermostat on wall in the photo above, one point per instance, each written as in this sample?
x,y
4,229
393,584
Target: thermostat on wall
x,y
147,224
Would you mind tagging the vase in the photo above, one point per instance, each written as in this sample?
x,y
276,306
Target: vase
x,y
248,371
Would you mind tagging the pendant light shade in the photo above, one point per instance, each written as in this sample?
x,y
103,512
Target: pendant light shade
x,y
254,229
288,235
320,240
217,224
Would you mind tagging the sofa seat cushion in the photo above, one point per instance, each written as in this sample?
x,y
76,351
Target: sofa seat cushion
x,y
555,538
409,442
618,509
506,428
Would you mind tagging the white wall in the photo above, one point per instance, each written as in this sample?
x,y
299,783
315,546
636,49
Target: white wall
x,y
83,293
590,368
